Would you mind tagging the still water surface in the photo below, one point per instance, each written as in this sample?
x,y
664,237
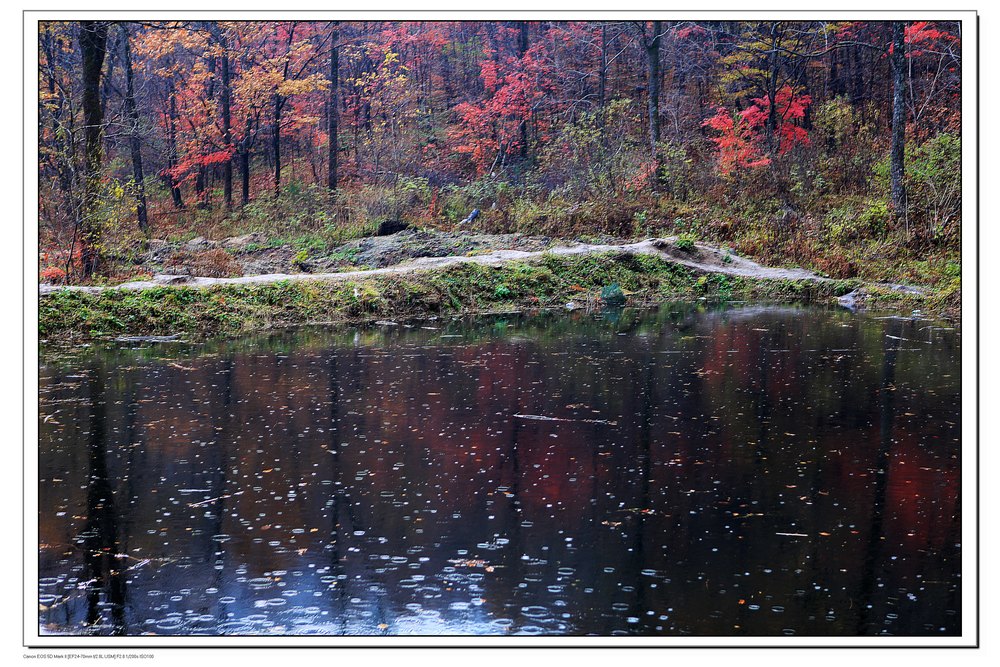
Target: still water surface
x,y
687,471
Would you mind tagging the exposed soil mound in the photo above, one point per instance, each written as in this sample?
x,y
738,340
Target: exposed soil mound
x,y
381,251
412,251
254,254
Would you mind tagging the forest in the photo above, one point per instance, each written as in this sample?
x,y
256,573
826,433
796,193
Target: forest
x,y
834,146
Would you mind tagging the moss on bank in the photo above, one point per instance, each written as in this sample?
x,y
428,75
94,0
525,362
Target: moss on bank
x,y
552,281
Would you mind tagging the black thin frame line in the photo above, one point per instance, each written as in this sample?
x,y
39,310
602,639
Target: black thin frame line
x,y
978,349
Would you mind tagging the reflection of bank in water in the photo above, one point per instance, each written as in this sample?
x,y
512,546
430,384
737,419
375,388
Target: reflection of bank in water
x,y
558,474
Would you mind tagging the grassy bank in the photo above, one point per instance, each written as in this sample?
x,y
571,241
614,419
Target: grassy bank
x,y
464,288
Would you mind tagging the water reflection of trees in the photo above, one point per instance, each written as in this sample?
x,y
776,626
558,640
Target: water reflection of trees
x,y
333,451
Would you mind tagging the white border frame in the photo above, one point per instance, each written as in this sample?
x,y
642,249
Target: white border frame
x,y
969,324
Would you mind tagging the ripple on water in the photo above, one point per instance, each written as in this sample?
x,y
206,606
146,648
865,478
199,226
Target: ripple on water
x,y
536,612
169,623
404,621
234,628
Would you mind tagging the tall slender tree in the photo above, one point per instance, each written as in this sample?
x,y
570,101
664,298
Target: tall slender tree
x,y
653,85
333,115
135,142
221,38
522,49
897,152
93,49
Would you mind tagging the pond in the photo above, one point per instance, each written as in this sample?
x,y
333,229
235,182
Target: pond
x,y
691,470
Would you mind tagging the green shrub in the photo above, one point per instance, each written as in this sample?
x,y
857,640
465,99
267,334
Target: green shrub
x,y
934,184
685,243
854,221
457,201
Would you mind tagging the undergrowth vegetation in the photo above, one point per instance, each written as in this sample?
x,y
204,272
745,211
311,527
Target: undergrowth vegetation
x,y
794,221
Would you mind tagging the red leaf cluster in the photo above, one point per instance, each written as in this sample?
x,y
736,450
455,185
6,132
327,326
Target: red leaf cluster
x,y
741,140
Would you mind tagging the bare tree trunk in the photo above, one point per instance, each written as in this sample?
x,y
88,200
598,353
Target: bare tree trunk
x,y
653,86
227,136
854,78
279,102
175,191
771,124
245,174
93,48
522,48
602,80
897,153
199,188
134,143
276,144
334,114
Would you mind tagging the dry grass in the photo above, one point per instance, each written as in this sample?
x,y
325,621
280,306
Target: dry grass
x,y
215,263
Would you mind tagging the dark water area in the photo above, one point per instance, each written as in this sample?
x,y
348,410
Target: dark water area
x,y
730,471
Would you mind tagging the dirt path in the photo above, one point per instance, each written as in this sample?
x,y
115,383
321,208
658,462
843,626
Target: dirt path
x,y
703,258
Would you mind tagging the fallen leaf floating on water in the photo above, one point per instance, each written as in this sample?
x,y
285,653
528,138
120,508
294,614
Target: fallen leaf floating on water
x,y
212,500
460,562
543,418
